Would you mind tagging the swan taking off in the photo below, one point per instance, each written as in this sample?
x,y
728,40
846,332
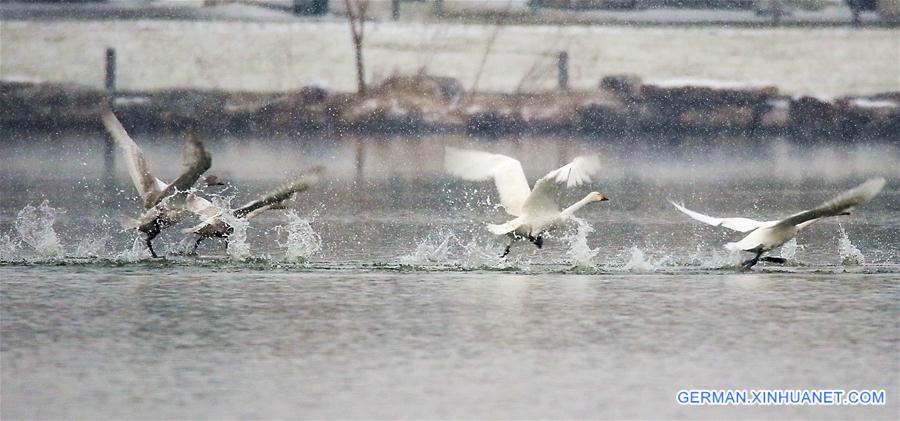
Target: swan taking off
x,y
164,203
765,236
536,210
215,218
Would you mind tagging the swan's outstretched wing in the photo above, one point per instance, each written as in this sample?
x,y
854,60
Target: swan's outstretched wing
x,y
737,224
275,197
544,198
479,166
839,204
197,160
147,185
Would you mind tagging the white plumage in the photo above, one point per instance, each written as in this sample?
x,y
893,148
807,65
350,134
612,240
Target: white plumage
x,y
536,210
765,236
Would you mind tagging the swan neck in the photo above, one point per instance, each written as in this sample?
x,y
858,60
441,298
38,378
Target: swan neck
x,y
577,205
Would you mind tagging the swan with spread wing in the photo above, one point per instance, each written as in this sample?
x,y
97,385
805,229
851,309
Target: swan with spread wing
x,y
215,222
164,203
765,236
536,210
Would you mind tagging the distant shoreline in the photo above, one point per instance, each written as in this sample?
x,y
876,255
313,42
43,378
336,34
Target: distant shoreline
x,y
830,17
420,104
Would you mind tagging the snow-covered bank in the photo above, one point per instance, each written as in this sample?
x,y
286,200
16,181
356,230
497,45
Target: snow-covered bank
x,y
278,57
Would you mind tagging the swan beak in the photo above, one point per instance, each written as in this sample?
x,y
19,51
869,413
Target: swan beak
x,y
603,198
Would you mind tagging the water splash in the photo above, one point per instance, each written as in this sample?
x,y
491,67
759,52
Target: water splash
x,y
302,241
477,255
580,254
91,246
9,247
238,248
850,255
789,249
35,227
137,252
716,258
638,263
433,249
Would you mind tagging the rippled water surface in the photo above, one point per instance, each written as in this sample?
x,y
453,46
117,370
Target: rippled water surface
x,y
381,295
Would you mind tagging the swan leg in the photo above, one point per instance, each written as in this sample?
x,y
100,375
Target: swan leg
x,y
751,262
196,244
538,241
512,240
772,259
149,243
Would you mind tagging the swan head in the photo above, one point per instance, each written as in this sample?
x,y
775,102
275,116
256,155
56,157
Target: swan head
x,y
214,180
597,196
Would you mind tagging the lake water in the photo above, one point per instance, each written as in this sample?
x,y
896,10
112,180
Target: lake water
x,y
382,295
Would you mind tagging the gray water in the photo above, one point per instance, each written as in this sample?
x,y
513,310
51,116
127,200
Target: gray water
x,y
406,310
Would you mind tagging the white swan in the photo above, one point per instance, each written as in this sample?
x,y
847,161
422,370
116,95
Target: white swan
x,y
536,210
215,218
767,235
164,203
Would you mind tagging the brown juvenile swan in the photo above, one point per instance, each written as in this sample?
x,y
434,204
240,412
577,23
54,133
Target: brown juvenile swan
x,y
214,220
164,203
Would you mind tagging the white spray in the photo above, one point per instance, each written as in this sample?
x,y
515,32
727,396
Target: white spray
x,y
850,255
238,248
581,255
137,252
35,227
302,241
638,262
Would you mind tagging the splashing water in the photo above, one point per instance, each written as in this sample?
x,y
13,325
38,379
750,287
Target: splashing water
x,y
8,246
789,249
35,227
434,248
91,246
238,248
137,252
640,263
579,252
477,255
302,241
850,255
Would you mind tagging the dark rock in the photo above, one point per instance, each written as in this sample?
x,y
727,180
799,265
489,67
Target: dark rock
x,y
813,117
623,86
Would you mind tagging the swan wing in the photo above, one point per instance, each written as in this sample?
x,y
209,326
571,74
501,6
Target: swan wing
x,y
506,172
197,161
737,224
842,203
544,198
275,197
146,184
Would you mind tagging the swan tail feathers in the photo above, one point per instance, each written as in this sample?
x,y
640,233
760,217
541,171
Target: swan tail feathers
x,y
501,229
